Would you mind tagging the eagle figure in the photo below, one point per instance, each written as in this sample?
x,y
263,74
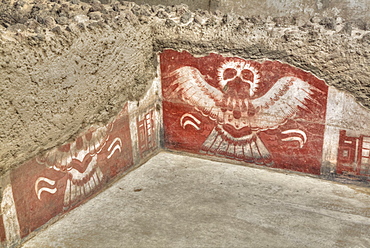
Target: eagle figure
x,y
233,105
77,160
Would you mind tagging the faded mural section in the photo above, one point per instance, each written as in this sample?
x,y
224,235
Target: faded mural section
x,y
347,134
264,112
146,122
66,176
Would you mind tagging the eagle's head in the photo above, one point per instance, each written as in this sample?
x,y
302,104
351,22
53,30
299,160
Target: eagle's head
x,y
239,81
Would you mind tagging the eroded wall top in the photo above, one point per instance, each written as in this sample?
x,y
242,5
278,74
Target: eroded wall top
x,y
349,9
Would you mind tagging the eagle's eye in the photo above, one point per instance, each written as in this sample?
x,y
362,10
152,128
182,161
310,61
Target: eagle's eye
x,y
247,75
229,73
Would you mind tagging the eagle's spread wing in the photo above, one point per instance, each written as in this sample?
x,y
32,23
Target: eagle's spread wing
x,y
281,102
190,85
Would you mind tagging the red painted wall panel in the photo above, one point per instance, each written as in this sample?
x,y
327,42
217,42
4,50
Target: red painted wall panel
x,y
32,212
65,176
353,154
2,230
146,129
266,112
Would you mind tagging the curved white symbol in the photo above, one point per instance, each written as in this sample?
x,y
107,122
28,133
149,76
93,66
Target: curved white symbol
x,y
189,122
295,138
116,147
39,191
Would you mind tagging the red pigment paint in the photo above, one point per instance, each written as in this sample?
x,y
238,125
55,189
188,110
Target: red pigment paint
x,y
269,113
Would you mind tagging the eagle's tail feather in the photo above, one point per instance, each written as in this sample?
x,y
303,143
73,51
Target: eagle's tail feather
x,y
250,150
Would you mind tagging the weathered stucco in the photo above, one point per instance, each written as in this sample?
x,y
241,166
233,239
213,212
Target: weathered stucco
x,y
54,85
67,65
349,9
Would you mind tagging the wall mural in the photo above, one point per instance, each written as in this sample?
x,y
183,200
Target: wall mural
x,y
65,175
78,161
146,122
265,112
353,154
146,129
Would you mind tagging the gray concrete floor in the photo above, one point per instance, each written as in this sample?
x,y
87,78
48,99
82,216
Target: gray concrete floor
x,y
178,201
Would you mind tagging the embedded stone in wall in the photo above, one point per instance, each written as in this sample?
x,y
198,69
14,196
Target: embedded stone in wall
x,y
265,112
66,175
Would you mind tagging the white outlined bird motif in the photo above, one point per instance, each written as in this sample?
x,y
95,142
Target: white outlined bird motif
x,y
237,110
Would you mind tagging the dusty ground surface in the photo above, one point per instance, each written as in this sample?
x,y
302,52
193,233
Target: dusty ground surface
x,y
65,65
178,201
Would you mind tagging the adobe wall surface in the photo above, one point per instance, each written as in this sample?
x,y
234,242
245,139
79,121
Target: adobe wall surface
x,y
349,9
